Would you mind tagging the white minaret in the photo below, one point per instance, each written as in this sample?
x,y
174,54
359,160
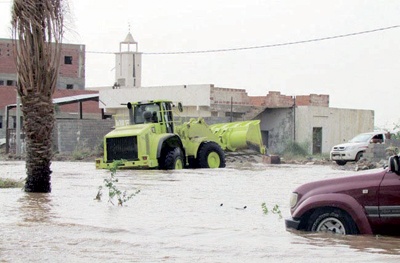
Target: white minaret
x,y
128,64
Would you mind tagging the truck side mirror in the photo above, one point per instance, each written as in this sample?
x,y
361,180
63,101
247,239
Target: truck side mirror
x,y
394,164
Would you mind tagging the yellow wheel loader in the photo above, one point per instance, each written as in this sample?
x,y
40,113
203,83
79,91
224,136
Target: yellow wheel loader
x,y
152,140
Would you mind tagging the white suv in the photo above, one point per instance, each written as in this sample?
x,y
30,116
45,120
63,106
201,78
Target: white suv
x,y
354,149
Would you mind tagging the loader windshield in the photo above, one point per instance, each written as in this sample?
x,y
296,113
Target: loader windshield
x,y
146,113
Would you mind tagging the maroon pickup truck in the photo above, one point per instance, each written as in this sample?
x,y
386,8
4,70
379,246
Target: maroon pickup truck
x,y
359,204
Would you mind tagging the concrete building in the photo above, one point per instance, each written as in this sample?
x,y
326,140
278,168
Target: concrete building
x,y
309,121
72,66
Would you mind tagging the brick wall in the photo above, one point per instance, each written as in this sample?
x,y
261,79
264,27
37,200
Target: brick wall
x,y
72,74
7,61
70,134
257,100
275,99
312,100
225,96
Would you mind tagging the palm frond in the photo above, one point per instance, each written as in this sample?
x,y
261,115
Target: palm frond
x,y
37,34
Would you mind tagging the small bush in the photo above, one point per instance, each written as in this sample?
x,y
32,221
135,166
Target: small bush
x,y
81,151
9,183
275,210
113,191
392,150
295,149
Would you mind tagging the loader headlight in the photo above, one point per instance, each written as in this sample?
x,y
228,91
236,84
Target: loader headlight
x,y
293,199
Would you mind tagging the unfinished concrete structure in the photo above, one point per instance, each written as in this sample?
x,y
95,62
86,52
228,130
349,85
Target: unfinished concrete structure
x,y
309,121
72,66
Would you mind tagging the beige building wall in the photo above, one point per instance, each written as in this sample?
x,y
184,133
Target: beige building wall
x,y
338,125
128,72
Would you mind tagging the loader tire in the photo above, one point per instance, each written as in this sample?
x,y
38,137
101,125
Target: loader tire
x,y
210,155
173,159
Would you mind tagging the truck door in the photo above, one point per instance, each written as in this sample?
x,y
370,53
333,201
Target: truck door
x,y
169,125
389,204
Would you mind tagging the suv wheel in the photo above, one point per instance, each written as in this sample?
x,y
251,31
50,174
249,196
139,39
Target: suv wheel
x,y
332,221
341,162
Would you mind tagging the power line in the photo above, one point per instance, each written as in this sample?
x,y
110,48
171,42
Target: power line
x,y
261,46
274,45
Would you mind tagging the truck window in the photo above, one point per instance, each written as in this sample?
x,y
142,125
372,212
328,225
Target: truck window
x,y
145,113
377,138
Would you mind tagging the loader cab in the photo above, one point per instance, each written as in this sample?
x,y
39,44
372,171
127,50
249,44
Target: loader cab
x,y
159,112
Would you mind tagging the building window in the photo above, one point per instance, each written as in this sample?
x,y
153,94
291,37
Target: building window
x,y
70,86
68,60
1,82
10,83
1,122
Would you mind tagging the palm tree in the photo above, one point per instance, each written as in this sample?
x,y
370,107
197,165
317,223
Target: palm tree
x,y
37,28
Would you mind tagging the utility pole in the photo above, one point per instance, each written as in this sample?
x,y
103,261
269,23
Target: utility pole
x,y
231,109
18,127
294,119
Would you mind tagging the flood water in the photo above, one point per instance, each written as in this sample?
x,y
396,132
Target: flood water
x,y
179,216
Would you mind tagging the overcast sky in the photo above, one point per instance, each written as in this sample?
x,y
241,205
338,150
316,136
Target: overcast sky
x,y
359,72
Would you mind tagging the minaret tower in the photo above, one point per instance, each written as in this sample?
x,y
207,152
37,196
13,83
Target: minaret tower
x,y
128,64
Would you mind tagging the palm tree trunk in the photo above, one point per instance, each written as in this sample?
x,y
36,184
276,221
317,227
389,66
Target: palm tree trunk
x,y
37,31
38,112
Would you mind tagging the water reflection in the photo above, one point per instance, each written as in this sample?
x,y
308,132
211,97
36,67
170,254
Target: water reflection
x,y
362,243
35,207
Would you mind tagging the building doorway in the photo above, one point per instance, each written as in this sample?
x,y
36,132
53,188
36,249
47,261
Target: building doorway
x,y
317,140
264,136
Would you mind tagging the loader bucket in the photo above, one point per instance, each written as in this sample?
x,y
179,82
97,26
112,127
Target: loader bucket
x,y
240,135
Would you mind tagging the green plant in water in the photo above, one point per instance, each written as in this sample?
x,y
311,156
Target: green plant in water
x,y
275,210
113,191
264,208
10,183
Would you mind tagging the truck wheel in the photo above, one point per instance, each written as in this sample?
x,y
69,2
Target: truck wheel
x,y
173,159
210,155
358,156
332,221
341,162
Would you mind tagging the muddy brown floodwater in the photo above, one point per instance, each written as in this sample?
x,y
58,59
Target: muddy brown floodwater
x,y
179,216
